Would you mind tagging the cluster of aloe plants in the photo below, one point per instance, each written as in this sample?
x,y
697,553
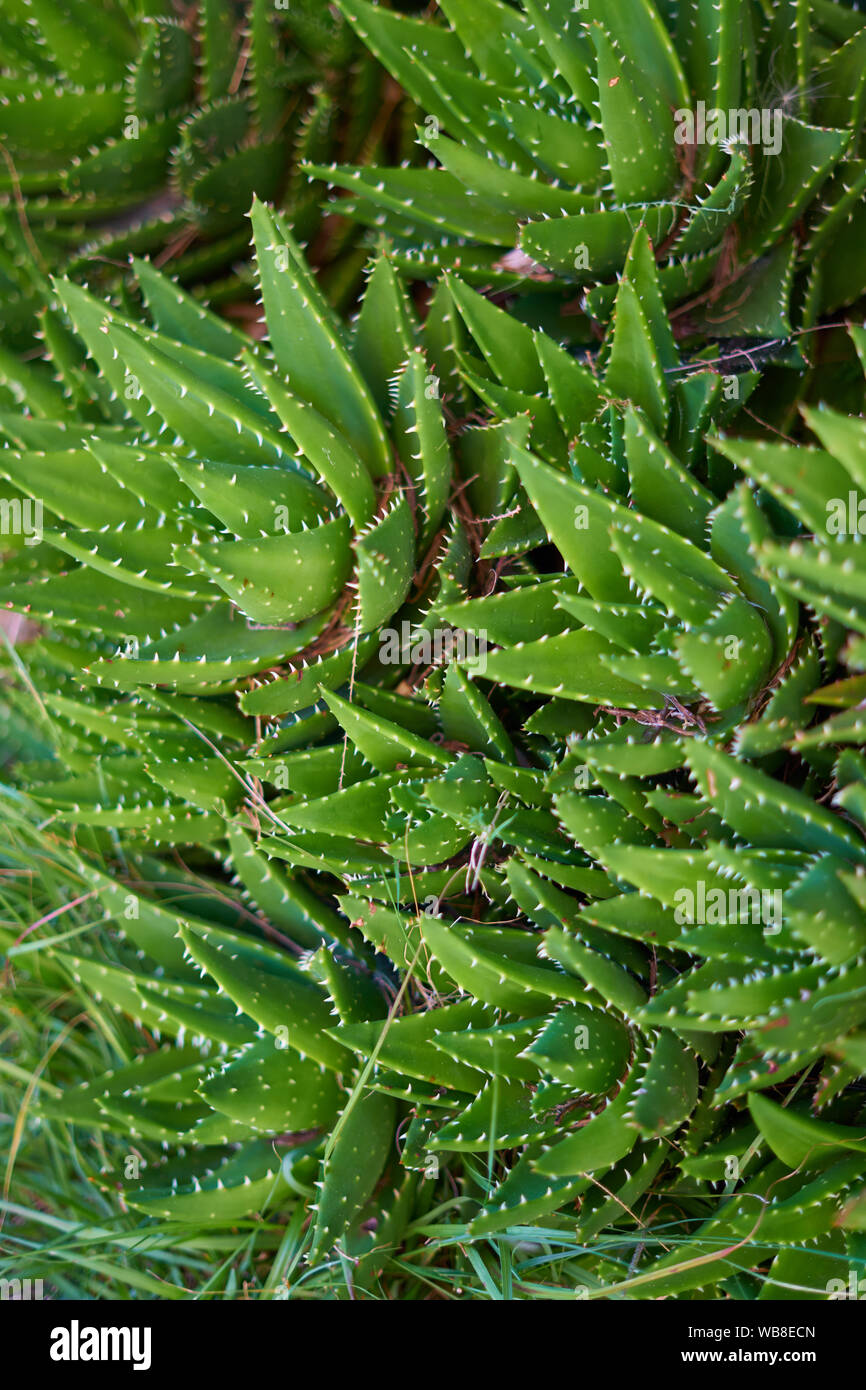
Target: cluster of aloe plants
x,y
553,128
557,930
146,128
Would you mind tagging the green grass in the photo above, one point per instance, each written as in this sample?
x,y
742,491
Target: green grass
x,y
61,1218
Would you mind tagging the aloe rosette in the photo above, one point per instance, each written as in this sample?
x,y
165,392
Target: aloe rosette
x,y
146,128
732,131
368,924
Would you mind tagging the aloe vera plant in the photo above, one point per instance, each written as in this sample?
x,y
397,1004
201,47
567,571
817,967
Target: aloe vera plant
x,y
146,128
732,131
574,917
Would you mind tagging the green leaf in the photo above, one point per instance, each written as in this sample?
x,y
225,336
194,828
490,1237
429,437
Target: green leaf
x,y
568,666
287,1003
251,1181
274,1090
667,1089
584,1047
422,441
381,741
308,345
363,1141
407,1043
500,1117
277,579
602,1141
570,513
763,811
800,1140
384,332
635,117
326,451
593,245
